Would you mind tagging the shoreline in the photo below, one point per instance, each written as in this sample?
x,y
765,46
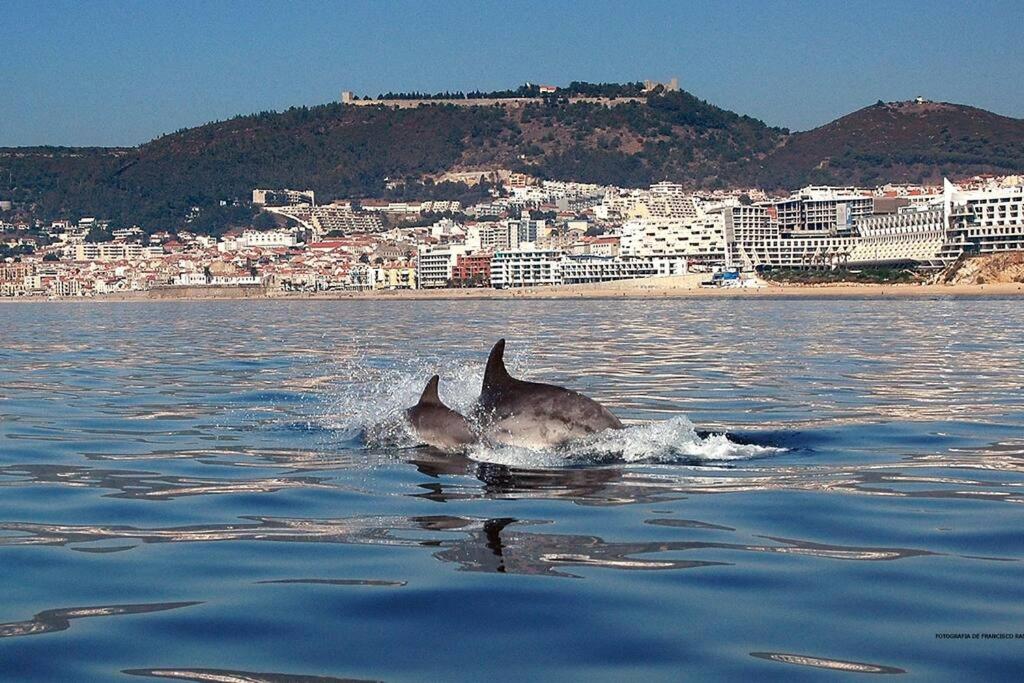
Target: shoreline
x,y
683,287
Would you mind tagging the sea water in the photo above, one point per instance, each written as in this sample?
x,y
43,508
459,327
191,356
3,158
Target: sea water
x,y
189,491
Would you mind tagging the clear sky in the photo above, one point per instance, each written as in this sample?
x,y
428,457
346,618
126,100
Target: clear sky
x,y
104,72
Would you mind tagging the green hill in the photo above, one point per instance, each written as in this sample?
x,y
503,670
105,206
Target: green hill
x,y
899,142
345,151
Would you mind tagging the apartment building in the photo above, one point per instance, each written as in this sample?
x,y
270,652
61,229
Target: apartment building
x,y
435,263
399,275
820,210
472,270
107,251
699,240
588,268
505,235
983,221
526,268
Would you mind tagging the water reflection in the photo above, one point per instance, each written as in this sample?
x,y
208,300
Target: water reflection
x,y
230,676
484,545
954,475
60,619
925,476
147,485
824,663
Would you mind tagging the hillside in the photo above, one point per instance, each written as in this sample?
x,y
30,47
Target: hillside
x,y
899,142
347,151
986,269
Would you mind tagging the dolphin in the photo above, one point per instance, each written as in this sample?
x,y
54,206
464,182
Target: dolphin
x,y
518,413
436,424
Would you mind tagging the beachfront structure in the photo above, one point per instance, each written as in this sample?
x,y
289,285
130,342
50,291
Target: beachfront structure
x,y
755,240
396,275
927,235
910,236
532,266
435,264
983,221
472,270
13,278
526,267
588,268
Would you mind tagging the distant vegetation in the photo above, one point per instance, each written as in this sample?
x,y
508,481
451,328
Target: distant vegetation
x,y
876,275
899,142
8,251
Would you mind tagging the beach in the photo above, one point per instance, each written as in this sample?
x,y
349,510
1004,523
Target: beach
x,y
683,286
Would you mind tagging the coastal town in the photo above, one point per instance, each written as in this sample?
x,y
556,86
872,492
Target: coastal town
x,y
528,232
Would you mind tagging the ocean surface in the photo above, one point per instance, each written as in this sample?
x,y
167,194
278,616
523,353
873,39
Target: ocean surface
x,y
806,487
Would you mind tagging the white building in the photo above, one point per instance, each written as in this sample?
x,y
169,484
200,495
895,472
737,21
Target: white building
x,y
337,217
191,279
235,280
582,269
434,264
268,238
107,251
505,235
983,221
662,201
487,236
699,240
820,210
909,236
447,230
526,267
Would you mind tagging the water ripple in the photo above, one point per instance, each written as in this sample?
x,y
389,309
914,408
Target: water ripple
x,y
831,477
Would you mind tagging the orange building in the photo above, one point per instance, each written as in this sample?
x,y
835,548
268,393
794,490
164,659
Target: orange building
x,y
472,270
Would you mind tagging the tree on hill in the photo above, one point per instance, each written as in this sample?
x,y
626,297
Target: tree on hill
x,y
98,233
264,221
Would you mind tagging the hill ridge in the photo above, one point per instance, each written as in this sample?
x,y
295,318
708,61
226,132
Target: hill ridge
x,y
343,151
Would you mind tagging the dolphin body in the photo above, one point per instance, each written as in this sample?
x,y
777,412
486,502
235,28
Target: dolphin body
x,y
518,413
437,425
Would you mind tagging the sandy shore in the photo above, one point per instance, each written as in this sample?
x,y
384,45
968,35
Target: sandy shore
x,y
687,286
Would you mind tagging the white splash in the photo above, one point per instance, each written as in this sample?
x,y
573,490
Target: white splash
x,y
370,398
667,441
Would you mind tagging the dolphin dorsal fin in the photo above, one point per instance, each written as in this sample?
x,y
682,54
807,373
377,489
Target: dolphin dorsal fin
x,y
496,374
429,395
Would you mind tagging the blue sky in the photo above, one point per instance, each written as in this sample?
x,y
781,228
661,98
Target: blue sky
x,y
123,72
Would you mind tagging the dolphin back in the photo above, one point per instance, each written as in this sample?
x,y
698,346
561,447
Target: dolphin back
x,y
518,413
495,374
435,424
429,397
